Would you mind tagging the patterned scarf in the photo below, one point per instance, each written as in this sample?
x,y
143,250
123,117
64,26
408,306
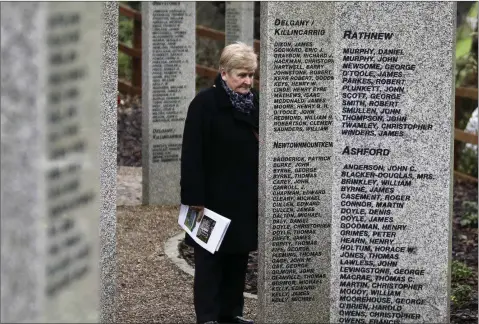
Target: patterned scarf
x,y
241,102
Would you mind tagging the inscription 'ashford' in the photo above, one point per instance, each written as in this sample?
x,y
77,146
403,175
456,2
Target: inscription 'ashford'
x,y
355,169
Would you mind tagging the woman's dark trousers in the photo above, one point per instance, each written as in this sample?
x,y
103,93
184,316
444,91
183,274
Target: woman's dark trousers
x,y
218,285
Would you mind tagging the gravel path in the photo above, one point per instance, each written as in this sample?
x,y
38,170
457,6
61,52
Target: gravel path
x,y
151,288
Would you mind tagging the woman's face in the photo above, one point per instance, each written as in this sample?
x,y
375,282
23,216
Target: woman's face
x,y
238,80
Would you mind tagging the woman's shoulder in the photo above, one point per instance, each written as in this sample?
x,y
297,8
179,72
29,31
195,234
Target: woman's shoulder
x,y
203,97
204,102
204,94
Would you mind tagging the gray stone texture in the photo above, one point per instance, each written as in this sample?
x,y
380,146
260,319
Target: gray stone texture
x,y
425,32
50,180
23,204
420,158
108,165
311,166
239,22
168,88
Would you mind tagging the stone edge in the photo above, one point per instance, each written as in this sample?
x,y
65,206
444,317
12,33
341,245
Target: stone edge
x,y
172,252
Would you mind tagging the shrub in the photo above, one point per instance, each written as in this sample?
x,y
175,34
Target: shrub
x,y
125,35
460,271
468,162
461,295
124,66
125,30
469,217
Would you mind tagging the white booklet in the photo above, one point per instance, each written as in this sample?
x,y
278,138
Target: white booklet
x,y
208,231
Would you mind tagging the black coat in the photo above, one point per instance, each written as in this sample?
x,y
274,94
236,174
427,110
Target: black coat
x,y
219,165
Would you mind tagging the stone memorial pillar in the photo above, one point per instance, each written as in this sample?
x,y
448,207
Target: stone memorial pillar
x,y
108,156
50,115
168,88
239,22
296,103
386,187
392,169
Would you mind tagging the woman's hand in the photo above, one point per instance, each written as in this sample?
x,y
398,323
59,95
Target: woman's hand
x,y
200,210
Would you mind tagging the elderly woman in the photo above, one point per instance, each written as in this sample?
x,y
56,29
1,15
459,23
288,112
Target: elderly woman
x,y
219,171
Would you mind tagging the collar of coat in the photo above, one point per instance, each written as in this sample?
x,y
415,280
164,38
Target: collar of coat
x,y
225,103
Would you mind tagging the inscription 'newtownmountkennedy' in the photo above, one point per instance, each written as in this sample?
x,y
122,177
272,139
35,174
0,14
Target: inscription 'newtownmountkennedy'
x,y
297,101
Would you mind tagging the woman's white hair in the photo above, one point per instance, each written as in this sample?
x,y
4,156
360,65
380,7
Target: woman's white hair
x,y
238,56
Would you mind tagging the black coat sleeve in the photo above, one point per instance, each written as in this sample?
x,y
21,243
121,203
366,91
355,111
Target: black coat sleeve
x,y
192,155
